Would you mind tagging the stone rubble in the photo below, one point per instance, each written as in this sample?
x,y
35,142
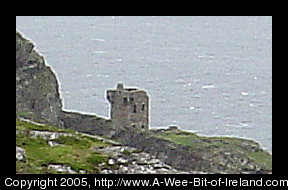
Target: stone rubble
x,y
46,135
61,168
20,154
127,160
122,159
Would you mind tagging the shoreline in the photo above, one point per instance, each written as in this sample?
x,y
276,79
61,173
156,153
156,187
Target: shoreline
x,y
204,135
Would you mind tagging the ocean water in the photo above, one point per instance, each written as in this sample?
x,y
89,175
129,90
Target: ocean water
x,y
210,75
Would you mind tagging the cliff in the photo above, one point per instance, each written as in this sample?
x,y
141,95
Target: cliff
x,y
38,99
37,89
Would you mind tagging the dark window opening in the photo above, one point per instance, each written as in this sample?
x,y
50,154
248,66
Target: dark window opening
x,y
134,109
33,105
143,107
125,101
109,98
142,126
131,99
134,125
30,62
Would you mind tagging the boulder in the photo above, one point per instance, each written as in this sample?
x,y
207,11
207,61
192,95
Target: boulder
x,y
20,154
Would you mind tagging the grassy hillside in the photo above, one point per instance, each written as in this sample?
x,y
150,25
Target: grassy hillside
x,y
70,149
49,149
235,153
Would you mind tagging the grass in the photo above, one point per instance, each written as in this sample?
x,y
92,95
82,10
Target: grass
x,y
76,151
25,114
192,140
23,125
263,159
222,145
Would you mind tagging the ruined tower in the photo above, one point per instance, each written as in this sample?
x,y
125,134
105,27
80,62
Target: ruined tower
x,y
129,107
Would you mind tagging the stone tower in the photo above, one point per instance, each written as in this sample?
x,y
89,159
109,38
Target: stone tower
x,y
129,107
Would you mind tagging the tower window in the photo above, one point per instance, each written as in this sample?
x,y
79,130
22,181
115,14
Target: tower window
x,y
143,107
134,109
125,101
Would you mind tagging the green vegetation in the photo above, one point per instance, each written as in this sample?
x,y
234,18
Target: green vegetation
x,y
262,158
25,114
74,150
24,126
79,151
225,147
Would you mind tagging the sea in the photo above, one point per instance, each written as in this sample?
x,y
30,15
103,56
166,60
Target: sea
x,y
208,74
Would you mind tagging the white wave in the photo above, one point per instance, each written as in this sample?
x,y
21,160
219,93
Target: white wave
x,y
98,39
192,108
208,86
244,93
98,52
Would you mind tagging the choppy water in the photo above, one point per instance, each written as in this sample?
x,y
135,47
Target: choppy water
x,y
212,75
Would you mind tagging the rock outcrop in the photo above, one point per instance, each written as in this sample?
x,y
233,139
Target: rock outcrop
x,y
20,154
127,160
116,158
37,89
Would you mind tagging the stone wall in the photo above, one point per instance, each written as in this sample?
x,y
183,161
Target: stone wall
x,y
85,123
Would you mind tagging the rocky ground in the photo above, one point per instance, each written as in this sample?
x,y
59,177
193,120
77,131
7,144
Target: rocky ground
x,y
222,154
118,159
127,160
47,149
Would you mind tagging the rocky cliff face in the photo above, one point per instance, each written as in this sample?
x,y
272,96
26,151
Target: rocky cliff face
x,y
37,91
